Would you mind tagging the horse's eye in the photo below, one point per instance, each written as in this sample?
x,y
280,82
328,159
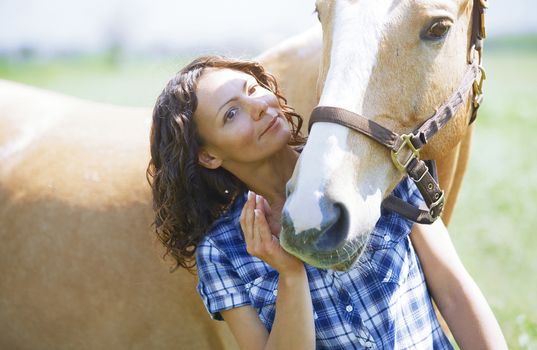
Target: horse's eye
x,y
437,30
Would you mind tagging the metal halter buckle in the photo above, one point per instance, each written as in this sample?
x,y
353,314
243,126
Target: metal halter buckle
x,y
415,153
484,5
478,88
436,208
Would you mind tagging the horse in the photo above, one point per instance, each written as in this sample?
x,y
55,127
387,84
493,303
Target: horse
x,y
387,66
80,266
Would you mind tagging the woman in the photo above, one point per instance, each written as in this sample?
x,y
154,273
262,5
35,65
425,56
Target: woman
x,y
221,128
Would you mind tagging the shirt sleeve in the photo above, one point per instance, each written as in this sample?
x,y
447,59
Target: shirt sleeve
x,y
392,228
219,285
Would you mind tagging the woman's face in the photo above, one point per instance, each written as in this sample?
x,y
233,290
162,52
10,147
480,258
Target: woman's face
x,y
238,120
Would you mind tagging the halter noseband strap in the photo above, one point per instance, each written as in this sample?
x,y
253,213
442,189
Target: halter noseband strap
x,y
405,147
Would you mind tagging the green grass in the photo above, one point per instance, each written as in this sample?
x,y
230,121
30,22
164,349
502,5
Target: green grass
x,y
494,225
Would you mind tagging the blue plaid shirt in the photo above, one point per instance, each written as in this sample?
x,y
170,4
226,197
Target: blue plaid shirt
x,y
382,302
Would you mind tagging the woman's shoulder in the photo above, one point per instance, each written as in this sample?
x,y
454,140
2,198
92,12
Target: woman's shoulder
x,y
227,227
229,219
222,251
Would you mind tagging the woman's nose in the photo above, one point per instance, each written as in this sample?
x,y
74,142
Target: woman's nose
x,y
258,107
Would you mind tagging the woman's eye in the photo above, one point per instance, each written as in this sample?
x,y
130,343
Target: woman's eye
x,y
230,114
437,30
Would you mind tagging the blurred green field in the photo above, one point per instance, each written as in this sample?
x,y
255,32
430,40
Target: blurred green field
x,y
495,220
102,78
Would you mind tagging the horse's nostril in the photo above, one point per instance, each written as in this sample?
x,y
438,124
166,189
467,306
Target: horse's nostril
x,y
335,231
287,224
288,189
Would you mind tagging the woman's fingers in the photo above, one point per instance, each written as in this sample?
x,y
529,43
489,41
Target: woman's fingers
x,y
266,207
273,223
247,217
261,228
260,241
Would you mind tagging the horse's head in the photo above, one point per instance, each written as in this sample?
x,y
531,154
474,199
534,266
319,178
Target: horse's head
x,y
394,62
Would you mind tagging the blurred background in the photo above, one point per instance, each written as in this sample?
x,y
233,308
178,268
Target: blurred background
x,y
123,52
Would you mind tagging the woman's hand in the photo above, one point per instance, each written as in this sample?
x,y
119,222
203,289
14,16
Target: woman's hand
x,y
261,239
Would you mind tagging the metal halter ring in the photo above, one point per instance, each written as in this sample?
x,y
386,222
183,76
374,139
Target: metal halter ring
x,y
415,153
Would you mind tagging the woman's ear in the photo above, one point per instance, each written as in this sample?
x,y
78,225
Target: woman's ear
x,y
208,160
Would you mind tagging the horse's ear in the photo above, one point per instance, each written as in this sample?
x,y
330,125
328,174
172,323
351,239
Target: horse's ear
x,y
208,160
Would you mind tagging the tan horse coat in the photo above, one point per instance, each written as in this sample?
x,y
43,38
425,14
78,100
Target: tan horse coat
x,y
80,268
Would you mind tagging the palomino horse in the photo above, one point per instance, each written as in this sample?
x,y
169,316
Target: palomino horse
x,y
394,63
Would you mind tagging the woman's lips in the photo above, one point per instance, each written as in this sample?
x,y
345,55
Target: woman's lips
x,y
270,124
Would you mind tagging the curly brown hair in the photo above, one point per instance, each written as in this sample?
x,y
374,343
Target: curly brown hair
x,y
187,197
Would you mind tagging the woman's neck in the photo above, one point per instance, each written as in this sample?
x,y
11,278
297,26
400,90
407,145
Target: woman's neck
x,y
269,177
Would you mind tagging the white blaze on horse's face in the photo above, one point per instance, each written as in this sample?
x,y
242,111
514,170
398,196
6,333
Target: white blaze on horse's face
x,y
379,62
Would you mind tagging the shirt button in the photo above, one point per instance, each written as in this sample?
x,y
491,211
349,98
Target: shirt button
x,y
315,316
368,344
387,238
275,292
348,308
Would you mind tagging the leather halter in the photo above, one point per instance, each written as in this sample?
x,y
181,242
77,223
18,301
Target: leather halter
x,y
405,147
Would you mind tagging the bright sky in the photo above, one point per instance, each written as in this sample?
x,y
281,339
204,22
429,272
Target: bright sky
x,y
151,25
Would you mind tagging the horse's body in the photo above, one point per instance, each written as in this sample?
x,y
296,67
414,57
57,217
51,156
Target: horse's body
x,y
80,266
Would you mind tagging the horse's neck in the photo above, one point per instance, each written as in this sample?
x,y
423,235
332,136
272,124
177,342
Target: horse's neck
x,y
295,64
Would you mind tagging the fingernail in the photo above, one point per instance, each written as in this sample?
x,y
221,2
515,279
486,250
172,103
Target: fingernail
x,y
257,199
249,195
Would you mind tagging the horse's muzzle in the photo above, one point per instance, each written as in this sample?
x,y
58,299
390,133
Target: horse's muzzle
x,y
314,242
